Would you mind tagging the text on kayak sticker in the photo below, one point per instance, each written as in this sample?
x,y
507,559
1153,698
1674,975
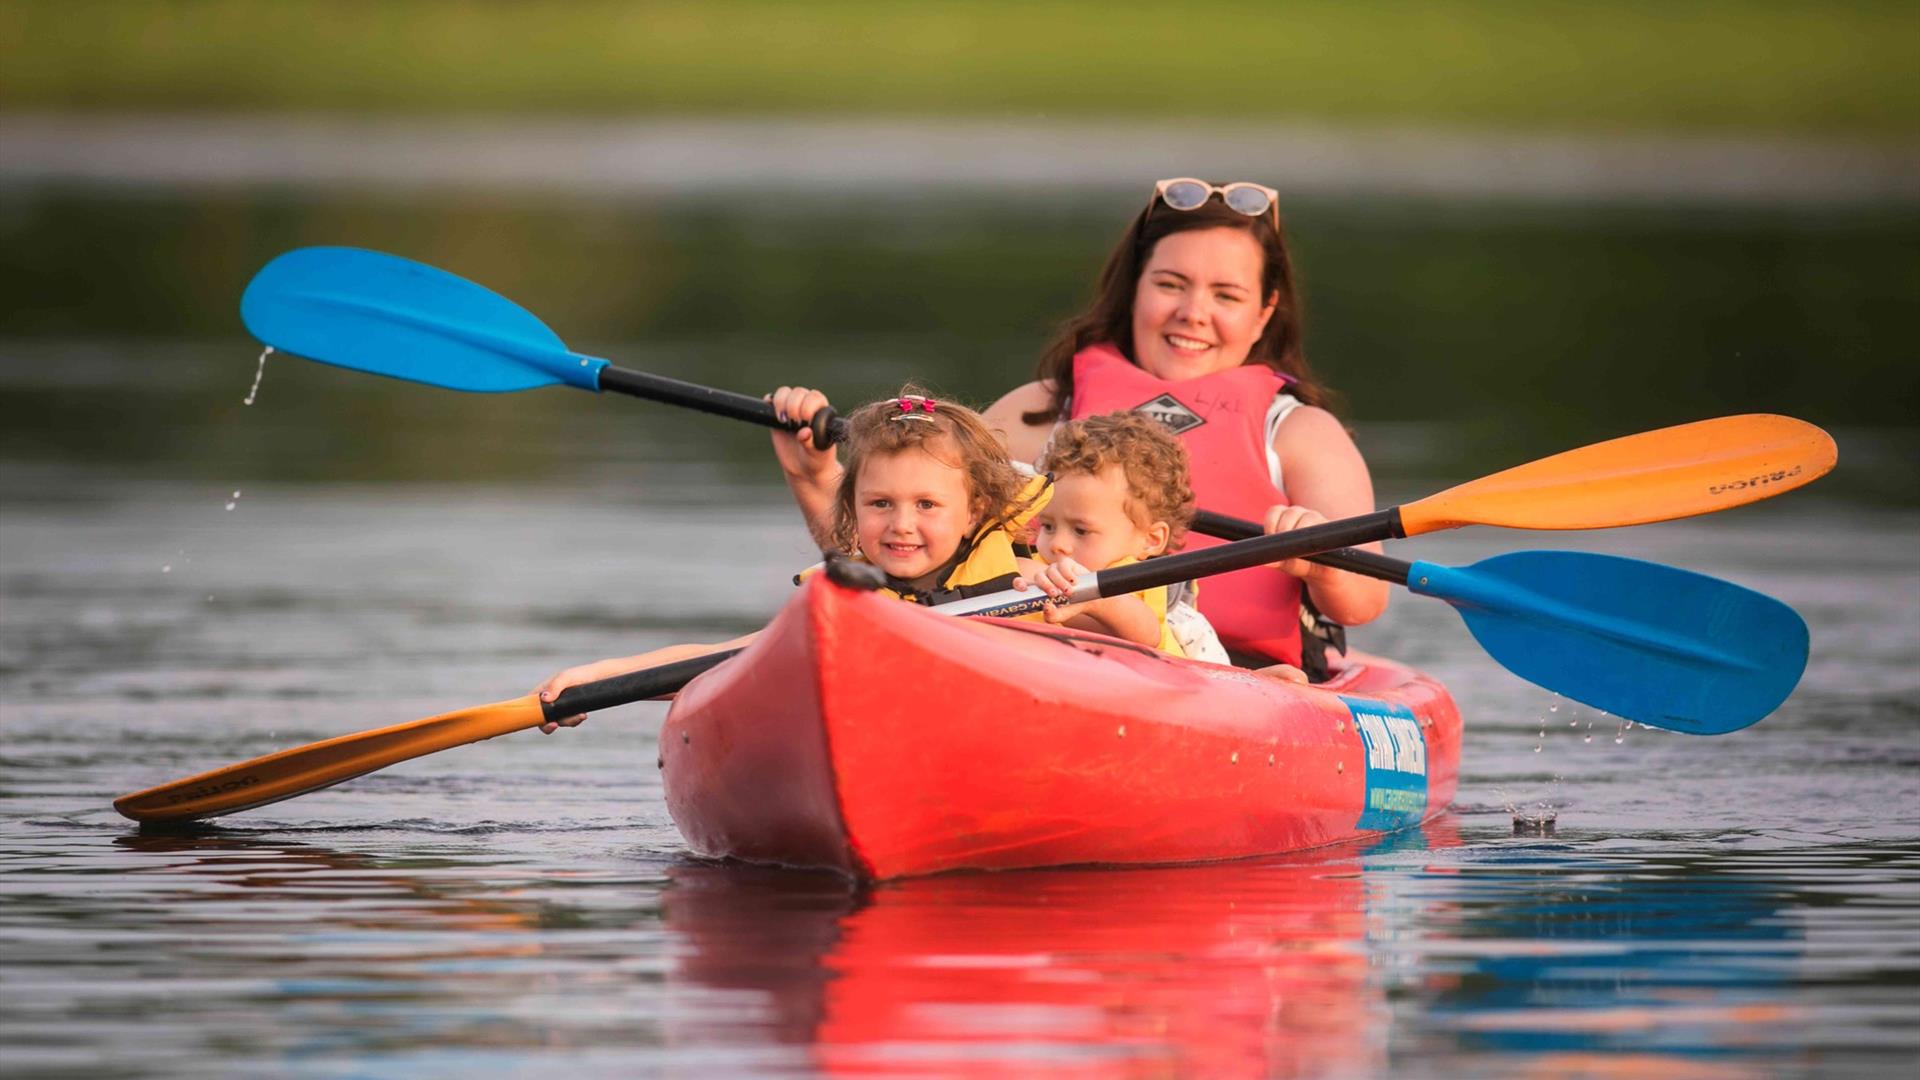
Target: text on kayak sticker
x,y
1396,769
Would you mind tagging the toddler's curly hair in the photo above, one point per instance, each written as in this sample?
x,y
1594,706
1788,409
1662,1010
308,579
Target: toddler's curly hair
x,y
951,433
1152,458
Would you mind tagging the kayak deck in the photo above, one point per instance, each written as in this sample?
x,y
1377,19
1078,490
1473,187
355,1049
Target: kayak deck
x,y
882,740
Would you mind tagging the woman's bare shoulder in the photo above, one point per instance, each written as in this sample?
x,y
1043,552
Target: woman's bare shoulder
x,y
1026,397
1310,426
1313,441
1024,441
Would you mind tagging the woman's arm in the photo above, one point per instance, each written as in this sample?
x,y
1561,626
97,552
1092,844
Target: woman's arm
x,y
1024,441
1326,480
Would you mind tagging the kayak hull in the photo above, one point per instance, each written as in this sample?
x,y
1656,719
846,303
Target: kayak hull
x,y
883,740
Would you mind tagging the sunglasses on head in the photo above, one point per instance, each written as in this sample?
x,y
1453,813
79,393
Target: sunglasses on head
x,y
1186,193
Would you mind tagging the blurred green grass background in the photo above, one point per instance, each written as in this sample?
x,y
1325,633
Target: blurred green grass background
x,y
1721,66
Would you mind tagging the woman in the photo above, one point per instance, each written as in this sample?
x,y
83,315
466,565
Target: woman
x,y
1196,323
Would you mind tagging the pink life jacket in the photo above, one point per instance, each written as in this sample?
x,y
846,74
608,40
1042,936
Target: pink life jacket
x,y
1222,419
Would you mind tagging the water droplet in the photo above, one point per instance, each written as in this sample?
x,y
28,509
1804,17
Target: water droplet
x,y
1589,738
231,503
1554,707
167,569
258,372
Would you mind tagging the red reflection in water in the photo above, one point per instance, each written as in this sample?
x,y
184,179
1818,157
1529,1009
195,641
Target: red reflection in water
x,y
1229,970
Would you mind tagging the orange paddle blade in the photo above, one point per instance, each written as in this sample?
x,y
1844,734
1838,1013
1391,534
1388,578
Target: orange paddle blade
x,y
288,773
1659,475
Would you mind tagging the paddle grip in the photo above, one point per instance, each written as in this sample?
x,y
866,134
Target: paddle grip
x,y
828,428
639,685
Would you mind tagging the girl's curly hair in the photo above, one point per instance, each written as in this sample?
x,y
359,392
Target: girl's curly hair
x,y
951,433
1153,460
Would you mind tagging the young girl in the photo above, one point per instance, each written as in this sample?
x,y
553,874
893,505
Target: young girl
x,y
928,496
1120,495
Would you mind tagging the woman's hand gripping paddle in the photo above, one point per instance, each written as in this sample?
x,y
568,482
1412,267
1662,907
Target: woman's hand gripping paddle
x,y
1649,643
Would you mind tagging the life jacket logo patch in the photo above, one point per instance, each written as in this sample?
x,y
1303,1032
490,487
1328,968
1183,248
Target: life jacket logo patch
x,y
1171,412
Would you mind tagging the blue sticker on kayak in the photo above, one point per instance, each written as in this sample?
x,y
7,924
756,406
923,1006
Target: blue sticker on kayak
x,y
1396,748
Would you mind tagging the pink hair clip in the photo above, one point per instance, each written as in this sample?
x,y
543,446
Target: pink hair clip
x,y
911,402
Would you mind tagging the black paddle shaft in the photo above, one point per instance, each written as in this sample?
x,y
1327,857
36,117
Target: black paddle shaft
x,y
1240,555
639,685
1353,561
827,426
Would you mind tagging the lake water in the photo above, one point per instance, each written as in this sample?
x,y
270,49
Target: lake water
x,y
1740,905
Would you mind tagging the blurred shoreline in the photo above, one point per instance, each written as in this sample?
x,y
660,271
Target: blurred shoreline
x,y
908,157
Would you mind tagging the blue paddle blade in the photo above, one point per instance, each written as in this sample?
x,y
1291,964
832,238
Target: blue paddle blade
x,y
1649,643
392,316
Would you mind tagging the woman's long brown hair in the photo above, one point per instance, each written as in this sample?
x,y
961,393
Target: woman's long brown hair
x,y
1109,318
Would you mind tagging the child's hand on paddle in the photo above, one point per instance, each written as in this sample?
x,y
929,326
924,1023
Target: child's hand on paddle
x,y
795,449
621,665
1125,616
1055,579
574,676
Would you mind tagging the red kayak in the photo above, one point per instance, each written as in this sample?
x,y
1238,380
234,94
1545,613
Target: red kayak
x,y
883,740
